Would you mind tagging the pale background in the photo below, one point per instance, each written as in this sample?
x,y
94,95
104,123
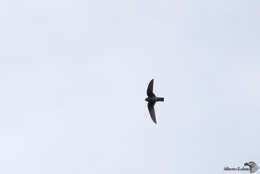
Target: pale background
x,y
73,78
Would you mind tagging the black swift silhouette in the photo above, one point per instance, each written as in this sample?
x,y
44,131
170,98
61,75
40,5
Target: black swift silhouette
x,y
152,99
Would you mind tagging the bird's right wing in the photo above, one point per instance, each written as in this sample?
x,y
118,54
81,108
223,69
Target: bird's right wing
x,y
150,89
151,111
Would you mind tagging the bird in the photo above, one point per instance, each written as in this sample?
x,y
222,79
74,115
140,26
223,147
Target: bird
x,y
152,99
252,166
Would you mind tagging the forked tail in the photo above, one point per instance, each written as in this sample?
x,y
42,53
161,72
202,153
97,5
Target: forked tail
x,y
160,99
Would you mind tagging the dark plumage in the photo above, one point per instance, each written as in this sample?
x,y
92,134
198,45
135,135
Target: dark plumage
x,y
152,99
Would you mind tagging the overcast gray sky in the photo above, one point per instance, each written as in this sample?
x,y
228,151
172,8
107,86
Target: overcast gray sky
x,y
74,74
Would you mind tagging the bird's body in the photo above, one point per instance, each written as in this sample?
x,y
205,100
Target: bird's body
x,y
152,99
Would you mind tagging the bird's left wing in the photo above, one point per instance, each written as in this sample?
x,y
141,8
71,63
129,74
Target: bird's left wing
x,y
150,89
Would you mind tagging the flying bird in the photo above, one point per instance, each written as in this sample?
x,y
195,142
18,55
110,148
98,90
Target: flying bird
x,y
152,99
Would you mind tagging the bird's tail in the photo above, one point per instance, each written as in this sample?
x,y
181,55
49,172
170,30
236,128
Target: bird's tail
x,y
160,99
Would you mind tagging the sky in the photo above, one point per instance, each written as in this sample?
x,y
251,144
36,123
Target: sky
x,y
73,79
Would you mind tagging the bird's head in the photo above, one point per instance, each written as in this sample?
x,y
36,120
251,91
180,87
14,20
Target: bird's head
x,y
146,99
